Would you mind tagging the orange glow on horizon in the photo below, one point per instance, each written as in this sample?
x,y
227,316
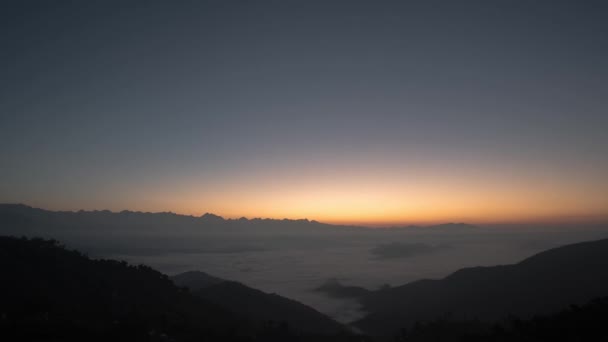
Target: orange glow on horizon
x,y
367,194
380,203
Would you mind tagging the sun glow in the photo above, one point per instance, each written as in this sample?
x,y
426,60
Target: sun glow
x,y
372,196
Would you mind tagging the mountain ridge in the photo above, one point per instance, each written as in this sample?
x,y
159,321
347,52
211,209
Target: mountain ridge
x,y
544,282
14,209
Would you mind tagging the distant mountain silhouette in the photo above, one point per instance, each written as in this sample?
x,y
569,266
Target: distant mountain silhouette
x,y
255,304
49,293
544,283
19,219
212,218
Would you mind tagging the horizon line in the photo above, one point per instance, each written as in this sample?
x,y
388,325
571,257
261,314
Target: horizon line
x,y
566,220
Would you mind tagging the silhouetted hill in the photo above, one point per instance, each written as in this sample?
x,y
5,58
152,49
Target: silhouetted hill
x,y
543,283
48,293
255,304
261,306
51,293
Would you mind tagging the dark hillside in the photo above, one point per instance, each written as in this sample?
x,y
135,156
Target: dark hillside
x,y
544,283
49,293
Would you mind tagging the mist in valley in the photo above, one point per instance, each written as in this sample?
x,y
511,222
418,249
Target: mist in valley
x,y
293,258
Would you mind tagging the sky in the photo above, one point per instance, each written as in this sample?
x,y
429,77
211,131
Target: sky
x,y
366,112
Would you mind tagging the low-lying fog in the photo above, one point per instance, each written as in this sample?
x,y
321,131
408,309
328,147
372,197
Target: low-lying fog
x,y
289,257
293,266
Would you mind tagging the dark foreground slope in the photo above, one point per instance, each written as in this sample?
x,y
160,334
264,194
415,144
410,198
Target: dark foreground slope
x,y
587,322
544,283
48,293
254,304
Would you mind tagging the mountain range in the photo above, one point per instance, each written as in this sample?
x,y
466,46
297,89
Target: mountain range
x,y
23,219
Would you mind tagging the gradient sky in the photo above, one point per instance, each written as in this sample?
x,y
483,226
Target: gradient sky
x,y
353,112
